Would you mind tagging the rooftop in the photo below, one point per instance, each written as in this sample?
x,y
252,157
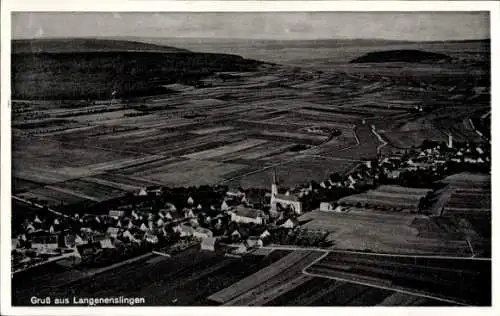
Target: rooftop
x,y
247,212
285,197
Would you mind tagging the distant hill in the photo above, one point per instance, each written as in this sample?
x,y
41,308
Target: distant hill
x,y
98,69
83,45
411,56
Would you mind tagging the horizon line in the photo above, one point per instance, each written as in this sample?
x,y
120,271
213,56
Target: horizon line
x,y
250,39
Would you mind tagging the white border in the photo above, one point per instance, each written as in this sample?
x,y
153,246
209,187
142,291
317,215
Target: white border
x,y
225,6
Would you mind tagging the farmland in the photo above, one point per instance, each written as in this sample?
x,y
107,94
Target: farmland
x,y
189,277
389,197
456,280
231,126
194,277
385,232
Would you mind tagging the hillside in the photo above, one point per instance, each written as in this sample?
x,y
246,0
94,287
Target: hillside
x,y
406,55
101,68
82,45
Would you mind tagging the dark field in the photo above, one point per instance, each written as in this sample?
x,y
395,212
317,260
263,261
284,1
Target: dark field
x,y
460,280
188,277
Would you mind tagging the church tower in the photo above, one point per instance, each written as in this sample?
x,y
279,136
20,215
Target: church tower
x,y
274,192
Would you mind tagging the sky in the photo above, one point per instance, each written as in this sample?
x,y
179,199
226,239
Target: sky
x,y
412,26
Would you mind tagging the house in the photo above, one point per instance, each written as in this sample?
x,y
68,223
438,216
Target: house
x,y
238,194
338,209
265,234
160,222
170,207
142,192
70,240
286,200
134,215
242,248
79,240
130,225
194,222
224,207
112,232
235,235
106,243
352,181
150,237
394,174
190,201
30,228
289,223
188,213
88,249
168,216
143,227
128,235
247,215
254,242
155,190
184,230
326,207
208,243
201,232
116,214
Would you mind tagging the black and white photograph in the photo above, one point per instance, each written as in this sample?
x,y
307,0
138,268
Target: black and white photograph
x,y
319,159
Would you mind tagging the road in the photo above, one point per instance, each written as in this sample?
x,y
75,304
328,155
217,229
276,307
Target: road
x,y
384,143
286,247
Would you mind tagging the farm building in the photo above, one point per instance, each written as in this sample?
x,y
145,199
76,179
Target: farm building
x,y
326,207
112,231
388,197
254,242
88,249
242,248
44,242
247,215
116,214
208,243
290,223
201,232
184,230
106,243
330,207
150,237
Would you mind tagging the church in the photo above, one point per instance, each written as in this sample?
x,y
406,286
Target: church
x,y
284,200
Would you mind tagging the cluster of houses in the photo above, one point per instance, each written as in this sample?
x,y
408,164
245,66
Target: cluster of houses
x,y
430,159
235,221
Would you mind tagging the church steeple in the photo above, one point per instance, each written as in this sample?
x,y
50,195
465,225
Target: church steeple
x,y
274,185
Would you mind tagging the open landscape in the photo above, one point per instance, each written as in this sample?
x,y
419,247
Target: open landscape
x,y
227,171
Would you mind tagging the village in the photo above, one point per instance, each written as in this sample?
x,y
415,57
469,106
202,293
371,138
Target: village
x,y
168,220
